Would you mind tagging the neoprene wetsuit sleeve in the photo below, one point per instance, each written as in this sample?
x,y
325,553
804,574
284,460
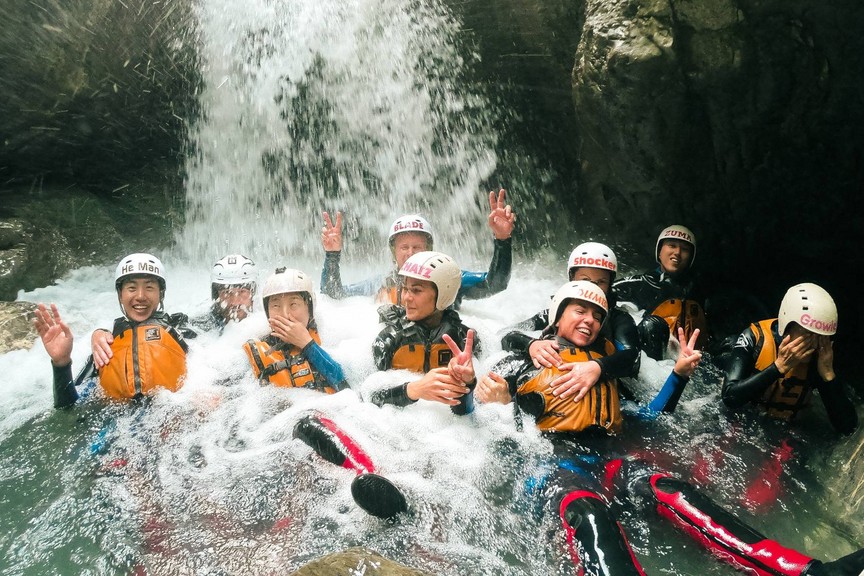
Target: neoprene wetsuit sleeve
x,y
482,284
841,411
331,280
326,366
624,362
65,393
516,341
740,386
397,395
667,399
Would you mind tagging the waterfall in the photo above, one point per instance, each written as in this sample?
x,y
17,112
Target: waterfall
x,y
362,106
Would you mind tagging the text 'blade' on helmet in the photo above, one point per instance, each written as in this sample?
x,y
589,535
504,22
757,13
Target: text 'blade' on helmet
x,y
676,232
234,269
411,223
811,307
139,264
577,290
593,255
438,268
286,280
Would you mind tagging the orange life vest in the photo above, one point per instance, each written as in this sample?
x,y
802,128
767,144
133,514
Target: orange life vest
x,y
147,356
789,393
601,406
686,314
421,358
389,294
271,365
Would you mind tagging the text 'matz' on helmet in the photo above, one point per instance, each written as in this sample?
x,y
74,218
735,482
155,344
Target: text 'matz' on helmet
x,y
676,232
411,223
233,270
582,290
286,280
439,269
139,264
809,306
593,255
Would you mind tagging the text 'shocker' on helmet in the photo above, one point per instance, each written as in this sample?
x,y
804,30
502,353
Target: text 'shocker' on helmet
x,y
139,264
439,269
287,280
411,223
577,290
593,255
676,232
233,270
809,306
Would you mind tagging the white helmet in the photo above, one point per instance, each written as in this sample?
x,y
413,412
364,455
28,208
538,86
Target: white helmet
x,y
137,265
411,223
593,255
676,232
809,306
577,290
232,270
439,269
286,280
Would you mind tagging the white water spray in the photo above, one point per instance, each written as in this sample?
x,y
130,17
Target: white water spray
x,y
361,106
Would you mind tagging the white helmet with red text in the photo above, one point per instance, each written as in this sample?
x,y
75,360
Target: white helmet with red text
x,y
439,269
577,290
676,232
809,306
411,223
288,280
593,255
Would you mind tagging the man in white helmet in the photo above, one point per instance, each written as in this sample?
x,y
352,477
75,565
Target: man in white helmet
x,y
669,294
144,352
233,283
422,336
779,362
410,234
597,263
586,471
291,356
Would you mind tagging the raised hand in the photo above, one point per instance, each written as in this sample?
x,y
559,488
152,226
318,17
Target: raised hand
x,y
688,357
501,216
437,385
55,334
331,234
290,331
461,365
492,388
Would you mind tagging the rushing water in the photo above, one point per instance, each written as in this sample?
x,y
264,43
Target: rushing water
x,y
364,106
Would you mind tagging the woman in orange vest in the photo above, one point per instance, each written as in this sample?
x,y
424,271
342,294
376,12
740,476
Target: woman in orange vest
x,y
588,474
420,336
144,352
291,355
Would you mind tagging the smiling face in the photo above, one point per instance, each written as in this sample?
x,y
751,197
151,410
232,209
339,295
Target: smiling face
x,y
289,304
140,297
234,302
675,256
600,277
580,322
418,298
406,244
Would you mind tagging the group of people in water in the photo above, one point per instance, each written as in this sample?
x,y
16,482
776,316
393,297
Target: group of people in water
x,y
568,379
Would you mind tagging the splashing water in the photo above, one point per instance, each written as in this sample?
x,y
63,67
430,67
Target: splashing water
x,y
361,106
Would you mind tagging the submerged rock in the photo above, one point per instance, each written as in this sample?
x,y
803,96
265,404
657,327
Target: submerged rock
x,y
356,561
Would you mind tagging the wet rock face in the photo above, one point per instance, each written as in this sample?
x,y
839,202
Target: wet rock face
x,y
16,328
356,561
90,89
